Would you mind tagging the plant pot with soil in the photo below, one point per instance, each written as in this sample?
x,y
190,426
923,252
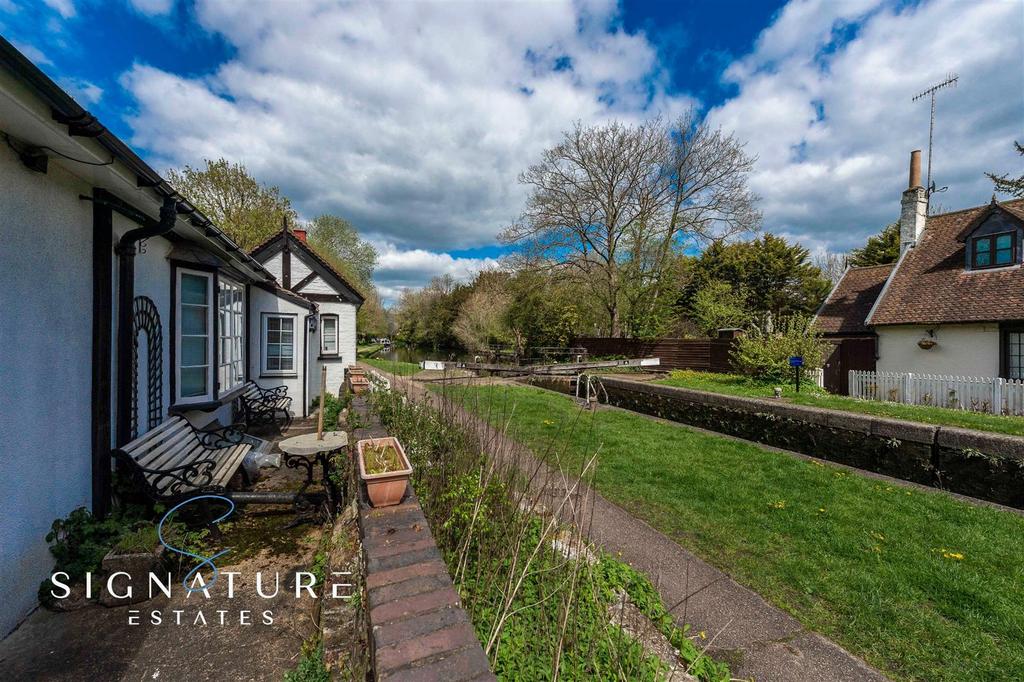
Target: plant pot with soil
x,y
138,554
360,384
385,469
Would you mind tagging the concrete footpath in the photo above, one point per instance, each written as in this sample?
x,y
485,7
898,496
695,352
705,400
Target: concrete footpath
x,y
758,640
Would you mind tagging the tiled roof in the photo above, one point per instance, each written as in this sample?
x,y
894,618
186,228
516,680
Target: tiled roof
x,y
846,309
931,285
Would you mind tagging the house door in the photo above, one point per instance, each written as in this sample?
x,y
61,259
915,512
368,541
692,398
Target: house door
x,y
848,354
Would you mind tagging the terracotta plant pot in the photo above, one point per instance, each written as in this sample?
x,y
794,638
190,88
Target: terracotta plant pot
x,y
356,372
359,384
388,488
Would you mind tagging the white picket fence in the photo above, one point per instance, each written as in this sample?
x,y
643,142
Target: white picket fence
x,y
978,394
816,377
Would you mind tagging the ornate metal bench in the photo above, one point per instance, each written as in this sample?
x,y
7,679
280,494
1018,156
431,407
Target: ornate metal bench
x,y
266,405
175,460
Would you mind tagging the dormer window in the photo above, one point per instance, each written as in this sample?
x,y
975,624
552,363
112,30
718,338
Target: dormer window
x,y
994,250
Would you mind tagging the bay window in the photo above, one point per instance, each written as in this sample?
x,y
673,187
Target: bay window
x,y
328,334
278,356
194,338
231,335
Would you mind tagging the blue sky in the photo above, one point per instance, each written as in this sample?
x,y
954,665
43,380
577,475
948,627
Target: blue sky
x,y
414,119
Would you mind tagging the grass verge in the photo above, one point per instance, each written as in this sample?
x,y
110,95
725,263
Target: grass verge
x,y
917,583
810,395
539,614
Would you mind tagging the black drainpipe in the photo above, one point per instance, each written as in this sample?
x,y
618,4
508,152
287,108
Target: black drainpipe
x,y
102,291
125,251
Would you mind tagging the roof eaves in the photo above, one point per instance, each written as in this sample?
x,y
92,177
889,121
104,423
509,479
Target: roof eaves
x,y
869,320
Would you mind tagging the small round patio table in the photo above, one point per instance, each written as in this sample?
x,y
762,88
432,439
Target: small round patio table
x,y
305,451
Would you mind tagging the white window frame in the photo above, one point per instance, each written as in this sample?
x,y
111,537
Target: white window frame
x,y
211,362
337,334
264,330
230,336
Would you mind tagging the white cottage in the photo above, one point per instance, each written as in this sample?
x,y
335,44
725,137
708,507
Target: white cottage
x,y
953,304
300,269
120,304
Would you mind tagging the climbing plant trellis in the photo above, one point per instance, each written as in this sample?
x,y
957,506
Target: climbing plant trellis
x,y
146,318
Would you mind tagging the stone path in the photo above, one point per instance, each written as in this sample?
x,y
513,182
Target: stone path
x,y
758,640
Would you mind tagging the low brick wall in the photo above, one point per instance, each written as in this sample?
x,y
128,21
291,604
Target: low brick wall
x,y
419,630
984,465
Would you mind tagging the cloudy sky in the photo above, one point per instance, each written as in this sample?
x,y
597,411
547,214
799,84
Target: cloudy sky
x,y
413,119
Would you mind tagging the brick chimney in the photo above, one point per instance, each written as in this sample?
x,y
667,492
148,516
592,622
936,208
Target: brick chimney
x,y
300,235
914,206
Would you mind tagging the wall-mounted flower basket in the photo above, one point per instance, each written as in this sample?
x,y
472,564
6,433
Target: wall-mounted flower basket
x,y
384,468
927,343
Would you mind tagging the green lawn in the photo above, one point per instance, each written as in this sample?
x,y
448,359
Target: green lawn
x,y
394,366
811,395
920,585
368,349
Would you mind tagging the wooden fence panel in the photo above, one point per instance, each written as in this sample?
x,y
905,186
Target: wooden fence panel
x,y
709,355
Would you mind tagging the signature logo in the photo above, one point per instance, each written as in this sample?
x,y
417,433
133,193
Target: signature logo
x,y
203,560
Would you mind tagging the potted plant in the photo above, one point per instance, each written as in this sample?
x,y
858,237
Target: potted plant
x,y
384,468
359,383
138,554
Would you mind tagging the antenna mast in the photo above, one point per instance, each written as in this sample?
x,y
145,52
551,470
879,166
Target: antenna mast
x,y
950,81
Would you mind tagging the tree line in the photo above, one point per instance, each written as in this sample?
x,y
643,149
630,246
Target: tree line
x,y
250,212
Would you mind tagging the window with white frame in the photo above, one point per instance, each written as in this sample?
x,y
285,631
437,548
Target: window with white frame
x,y
278,344
329,334
231,333
194,338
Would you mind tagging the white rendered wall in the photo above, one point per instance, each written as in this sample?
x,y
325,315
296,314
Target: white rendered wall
x,y
45,370
263,301
274,266
961,350
346,313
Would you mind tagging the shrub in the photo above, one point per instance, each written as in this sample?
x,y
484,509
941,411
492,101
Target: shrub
x,y
763,352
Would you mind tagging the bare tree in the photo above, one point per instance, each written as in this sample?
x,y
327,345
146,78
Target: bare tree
x,y
616,202
832,265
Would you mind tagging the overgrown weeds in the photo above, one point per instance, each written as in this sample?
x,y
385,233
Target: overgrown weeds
x,y
509,530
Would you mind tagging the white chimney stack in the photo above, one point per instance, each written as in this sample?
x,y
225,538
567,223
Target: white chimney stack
x,y
914,207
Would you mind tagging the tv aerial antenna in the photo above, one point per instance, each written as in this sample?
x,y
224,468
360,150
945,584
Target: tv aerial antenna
x,y
950,82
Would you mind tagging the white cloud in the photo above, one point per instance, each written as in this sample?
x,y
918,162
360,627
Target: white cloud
x,y
84,91
412,120
65,8
825,102
152,7
399,269
32,52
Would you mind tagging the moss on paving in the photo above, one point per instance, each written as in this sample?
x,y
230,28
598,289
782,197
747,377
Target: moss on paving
x,y
812,396
919,584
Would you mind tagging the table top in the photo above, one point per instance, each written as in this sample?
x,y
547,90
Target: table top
x,y
307,444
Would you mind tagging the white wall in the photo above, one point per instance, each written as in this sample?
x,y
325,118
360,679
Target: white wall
x,y
45,369
262,301
961,349
346,313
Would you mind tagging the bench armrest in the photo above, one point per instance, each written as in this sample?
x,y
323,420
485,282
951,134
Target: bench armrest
x,y
194,474
224,437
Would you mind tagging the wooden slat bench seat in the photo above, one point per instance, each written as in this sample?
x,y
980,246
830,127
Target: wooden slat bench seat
x,y
175,460
265,405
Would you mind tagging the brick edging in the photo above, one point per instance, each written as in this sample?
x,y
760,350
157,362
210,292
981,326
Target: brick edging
x,y
419,630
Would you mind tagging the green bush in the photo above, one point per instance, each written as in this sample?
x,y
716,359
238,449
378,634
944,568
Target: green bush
x,y
763,352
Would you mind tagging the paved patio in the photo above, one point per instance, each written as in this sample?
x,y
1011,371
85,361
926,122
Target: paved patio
x,y
96,642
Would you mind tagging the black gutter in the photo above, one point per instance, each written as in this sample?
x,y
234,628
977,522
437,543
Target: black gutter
x,y
102,292
126,300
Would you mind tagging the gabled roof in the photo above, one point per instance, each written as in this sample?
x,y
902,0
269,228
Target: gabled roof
x,y
846,309
275,244
994,207
932,286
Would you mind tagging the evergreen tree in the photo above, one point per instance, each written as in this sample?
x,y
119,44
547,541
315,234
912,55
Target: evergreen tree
x,y
880,249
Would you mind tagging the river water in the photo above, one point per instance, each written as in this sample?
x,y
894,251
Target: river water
x,y
416,355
